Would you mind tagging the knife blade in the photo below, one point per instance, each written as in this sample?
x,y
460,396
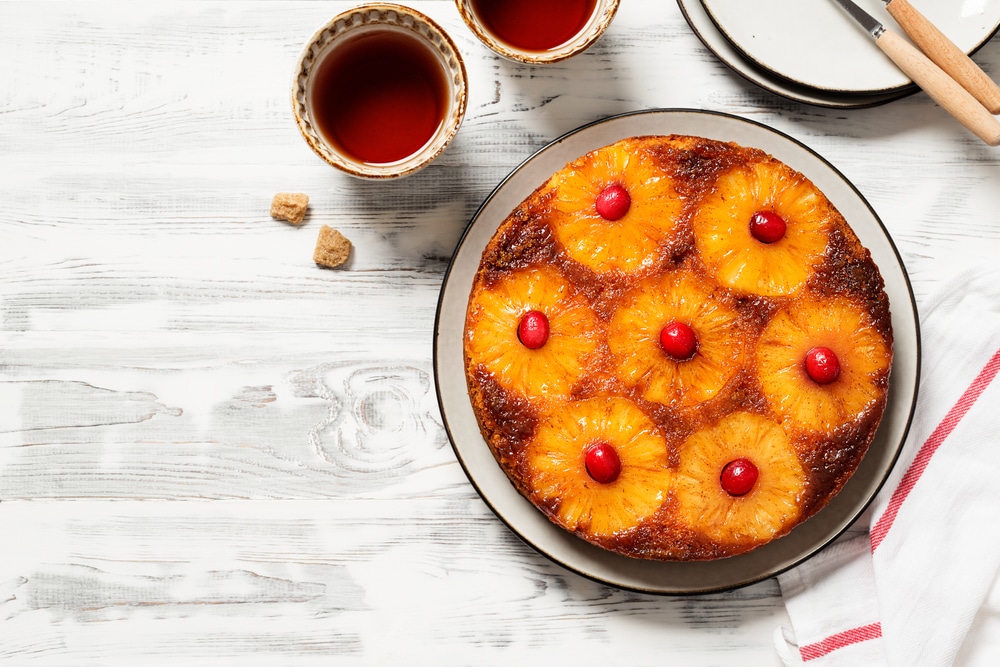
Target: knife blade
x,y
943,89
945,53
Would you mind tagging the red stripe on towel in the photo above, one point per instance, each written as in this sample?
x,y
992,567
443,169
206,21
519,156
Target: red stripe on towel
x,y
940,434
840,640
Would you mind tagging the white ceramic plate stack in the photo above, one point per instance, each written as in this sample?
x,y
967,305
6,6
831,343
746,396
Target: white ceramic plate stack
x,y
811,51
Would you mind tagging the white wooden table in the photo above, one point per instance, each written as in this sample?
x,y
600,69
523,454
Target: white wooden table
x,y
211,451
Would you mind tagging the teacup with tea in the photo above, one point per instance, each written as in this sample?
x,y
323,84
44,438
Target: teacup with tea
x,y
538,31
379,91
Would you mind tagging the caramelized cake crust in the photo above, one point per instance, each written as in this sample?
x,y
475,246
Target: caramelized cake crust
x,y
677,348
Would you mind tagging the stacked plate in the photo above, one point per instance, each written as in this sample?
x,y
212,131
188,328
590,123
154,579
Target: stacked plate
x,y
811,51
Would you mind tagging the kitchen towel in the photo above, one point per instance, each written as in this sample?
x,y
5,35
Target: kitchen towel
x,y
919,587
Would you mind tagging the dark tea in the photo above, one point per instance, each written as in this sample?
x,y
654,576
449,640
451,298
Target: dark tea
x,y
534,25
380,96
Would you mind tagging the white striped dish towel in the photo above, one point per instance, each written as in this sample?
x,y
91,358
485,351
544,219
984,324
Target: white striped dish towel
x,y
920,587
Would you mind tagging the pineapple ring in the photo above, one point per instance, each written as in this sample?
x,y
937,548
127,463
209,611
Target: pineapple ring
x,y
492,339
735,257
630,243
770,508
557,455
842,326
634,339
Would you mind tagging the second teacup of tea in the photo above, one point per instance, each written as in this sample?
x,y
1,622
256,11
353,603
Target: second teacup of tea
x,y
379,91
538,31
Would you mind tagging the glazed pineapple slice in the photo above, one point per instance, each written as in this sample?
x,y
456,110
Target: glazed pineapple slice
x,y
675,340
763,229
822,363
601,464
740,481
532,331
613,208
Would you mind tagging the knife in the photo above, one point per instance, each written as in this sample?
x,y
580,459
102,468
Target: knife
x,y
943,89
945,54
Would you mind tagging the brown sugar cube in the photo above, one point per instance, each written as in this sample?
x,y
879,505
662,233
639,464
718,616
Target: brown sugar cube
x,y
290,206
332,247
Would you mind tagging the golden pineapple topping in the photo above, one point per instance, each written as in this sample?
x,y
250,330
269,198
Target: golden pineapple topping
x,y
680,376
492,336
724,233
854,379
757,515
641,201
558,456
677,348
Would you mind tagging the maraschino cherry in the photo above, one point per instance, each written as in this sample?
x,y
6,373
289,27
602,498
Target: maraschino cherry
x,y
613,202
739,476
678,340
822,365
603,464
533,329
767,226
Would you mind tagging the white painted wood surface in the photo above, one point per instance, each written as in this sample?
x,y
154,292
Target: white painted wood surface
x,y
213,452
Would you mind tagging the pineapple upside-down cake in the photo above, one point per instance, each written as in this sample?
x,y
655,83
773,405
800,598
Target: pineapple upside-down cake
x,y
677,348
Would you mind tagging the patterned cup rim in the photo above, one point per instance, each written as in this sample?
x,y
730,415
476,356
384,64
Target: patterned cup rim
x,y
604,13
372,16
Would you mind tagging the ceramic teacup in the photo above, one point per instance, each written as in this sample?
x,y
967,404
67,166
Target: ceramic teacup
x,y
538,31
379,91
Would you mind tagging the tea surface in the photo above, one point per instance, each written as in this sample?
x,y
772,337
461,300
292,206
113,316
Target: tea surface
x,y
380,97
534,25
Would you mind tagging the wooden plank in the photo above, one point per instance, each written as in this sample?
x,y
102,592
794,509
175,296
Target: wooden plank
x,y
415,581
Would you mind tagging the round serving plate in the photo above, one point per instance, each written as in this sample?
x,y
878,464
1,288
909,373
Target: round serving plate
x,y
816,43
705,29
574,553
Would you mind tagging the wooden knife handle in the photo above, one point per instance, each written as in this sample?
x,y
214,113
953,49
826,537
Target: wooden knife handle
x,y
955,99
936,45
